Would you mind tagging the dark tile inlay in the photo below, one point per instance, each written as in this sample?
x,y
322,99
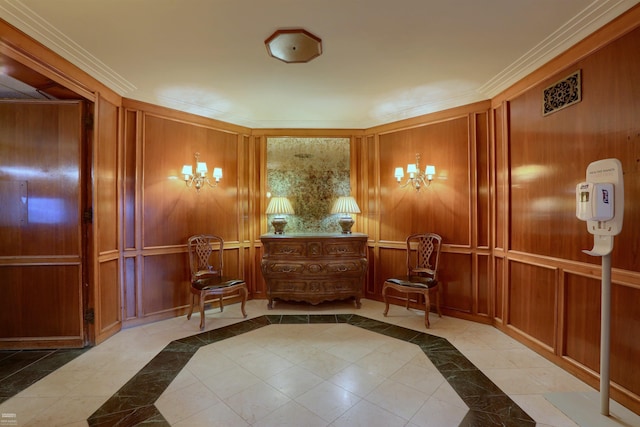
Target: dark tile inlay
x,y
133,403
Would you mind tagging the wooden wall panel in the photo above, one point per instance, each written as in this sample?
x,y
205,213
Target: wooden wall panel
x,y
498,289
130,290
582,320
41,151
455,276
371,192
109,302
501,173
165,286
532,301
171,211
390,262
481,138
107,220
625,327
549,155
49,308
483,294
106,178
129,178
443,207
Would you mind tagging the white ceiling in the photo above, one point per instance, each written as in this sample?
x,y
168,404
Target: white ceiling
x,y
382,60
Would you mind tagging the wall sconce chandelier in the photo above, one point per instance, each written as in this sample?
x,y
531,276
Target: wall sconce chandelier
x,y
279,206
200,177
345,206
416,178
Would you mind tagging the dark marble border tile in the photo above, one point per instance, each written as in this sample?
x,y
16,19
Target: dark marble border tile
x,y
133,404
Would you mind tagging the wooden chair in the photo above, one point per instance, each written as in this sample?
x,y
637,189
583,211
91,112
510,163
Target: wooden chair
x,y
205,262
423,255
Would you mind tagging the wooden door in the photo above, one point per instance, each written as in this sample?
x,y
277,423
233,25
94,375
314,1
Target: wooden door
x,y
41,224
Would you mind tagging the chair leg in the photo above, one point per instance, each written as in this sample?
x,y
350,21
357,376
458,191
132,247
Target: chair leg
x,y
427,303
221,304
386,301
244,293
201,310
193,301
438,301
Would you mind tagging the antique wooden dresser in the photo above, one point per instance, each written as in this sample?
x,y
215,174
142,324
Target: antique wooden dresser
x,y
314,267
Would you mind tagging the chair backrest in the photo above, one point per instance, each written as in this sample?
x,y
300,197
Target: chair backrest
x,y
205,255
423,254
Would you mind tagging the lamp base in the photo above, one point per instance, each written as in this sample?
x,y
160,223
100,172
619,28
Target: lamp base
x,y
278,225
346,222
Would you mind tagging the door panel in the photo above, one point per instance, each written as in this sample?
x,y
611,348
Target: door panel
x,y
41,233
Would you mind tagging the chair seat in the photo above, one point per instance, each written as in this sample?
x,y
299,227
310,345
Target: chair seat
x,y
414,282
215,282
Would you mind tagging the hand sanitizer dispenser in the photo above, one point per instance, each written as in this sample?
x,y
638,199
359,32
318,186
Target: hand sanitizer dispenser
x,y
600,200
595,201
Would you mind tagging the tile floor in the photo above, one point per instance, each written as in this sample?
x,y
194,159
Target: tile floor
x,y
325,365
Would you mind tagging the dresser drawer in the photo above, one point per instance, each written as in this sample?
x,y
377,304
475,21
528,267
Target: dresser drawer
x,y
273,268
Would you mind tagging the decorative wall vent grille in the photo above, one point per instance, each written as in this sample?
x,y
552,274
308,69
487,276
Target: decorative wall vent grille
x,y
562,94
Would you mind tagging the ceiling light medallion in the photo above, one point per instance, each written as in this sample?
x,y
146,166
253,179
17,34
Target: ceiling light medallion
x,y
292,46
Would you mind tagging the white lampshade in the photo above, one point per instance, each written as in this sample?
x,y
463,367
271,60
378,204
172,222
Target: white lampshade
x,y
201,168
346,205
430,170
279,206
411,168
399,173
217,173
187,170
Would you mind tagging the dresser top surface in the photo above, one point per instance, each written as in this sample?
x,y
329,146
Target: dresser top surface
x,y
313,236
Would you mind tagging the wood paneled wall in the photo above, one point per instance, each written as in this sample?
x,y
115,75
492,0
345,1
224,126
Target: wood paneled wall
x,y
547,290
161,212
502,199
455,205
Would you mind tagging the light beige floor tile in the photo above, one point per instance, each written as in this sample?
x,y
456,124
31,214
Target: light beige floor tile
x,y
294,381
218,415
366,414
256,402
349,351
265,365
67,410
230,382
324,365
426,380
58,383
437,413
102,383
291,414
515,381
543,411
397,398
27,408
328,401
382,364
489,359
181,404
357,380
446,393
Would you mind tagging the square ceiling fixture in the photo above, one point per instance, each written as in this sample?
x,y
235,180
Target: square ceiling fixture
x,y
291,46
